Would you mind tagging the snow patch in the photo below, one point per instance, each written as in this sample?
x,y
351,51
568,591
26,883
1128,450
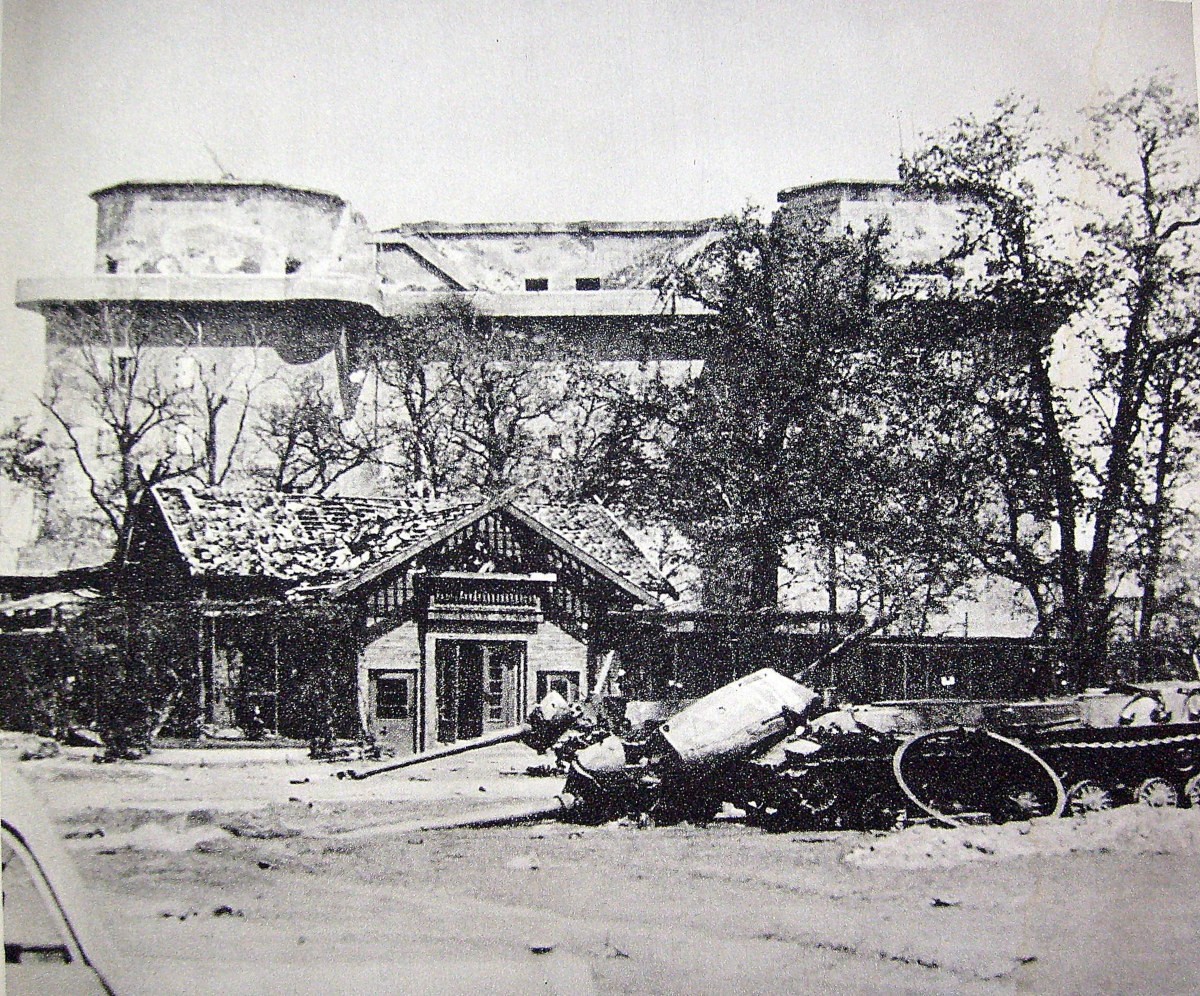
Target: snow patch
x,y
1129,830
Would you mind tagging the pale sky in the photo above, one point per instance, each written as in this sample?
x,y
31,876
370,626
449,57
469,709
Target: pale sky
x,y
492,110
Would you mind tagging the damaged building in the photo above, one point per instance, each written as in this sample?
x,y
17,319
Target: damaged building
x,y
262,265
278,285
431,619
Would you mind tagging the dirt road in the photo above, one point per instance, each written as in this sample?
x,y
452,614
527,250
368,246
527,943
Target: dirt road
x,y
232,857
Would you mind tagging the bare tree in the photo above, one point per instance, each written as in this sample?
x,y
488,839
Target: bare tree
x,y
220,401
456,403
498,413
117,409
307,443
408,406
609,434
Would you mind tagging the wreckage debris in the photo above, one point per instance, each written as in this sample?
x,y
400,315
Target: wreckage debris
x,y
671,772
547,725
767,746
960,762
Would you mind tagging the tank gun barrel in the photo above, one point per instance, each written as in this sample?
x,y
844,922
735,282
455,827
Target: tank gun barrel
x,y
546,723
494,816
504,736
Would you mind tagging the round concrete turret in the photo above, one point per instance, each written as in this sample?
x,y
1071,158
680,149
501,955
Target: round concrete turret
x,y
228,228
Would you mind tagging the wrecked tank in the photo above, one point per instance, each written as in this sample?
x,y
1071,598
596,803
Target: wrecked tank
x,y
678,769
1126,744
681,768
963,761
771,747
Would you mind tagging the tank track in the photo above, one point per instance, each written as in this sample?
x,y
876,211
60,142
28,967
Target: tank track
x,y
849,783
1101,768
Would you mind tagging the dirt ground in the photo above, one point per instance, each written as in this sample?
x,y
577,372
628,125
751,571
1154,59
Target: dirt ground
x,y
232,858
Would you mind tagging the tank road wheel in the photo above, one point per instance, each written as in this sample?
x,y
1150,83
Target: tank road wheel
x,y
1024,805
1158,793
783,806
1185,759
1191,791
1088,796
818,794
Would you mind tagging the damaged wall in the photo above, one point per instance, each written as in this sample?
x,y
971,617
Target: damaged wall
x,y
501,258
229,227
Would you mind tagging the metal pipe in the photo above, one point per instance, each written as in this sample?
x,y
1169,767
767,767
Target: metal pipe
x,y
837,650
487,740
522,812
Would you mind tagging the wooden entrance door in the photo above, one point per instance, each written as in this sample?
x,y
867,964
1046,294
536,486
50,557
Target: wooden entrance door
x,y
392,709
478,686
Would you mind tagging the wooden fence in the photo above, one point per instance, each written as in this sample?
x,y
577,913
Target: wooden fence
x,y
666,662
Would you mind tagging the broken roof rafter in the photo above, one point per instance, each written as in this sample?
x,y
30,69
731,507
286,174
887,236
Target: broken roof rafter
x,y
556,538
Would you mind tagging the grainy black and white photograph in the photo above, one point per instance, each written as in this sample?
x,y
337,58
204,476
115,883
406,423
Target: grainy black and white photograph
x,y
599,497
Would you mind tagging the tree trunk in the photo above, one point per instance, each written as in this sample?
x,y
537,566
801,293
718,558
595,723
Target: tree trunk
x,y
211,455
1090,646
831,587
1156,527
765,559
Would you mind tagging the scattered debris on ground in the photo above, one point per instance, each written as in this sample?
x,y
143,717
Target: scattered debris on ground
x,y
259,828
685,908
227,910
29,746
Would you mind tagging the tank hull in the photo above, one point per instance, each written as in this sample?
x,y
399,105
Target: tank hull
x,y
1108,747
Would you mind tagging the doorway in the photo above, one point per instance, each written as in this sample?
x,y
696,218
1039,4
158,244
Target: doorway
x,y
392,709
478,686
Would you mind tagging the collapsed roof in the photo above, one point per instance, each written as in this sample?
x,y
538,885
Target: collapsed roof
x,y
346,541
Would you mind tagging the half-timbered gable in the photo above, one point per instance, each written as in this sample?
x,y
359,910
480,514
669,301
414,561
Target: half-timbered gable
x,y
464,610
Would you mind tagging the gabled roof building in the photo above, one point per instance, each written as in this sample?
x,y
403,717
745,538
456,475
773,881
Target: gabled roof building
x,y
459,613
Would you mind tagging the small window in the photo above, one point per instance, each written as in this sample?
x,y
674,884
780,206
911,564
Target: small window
x,y
124,371
391,698
566,683
110,264
537,283
291,265
587,283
